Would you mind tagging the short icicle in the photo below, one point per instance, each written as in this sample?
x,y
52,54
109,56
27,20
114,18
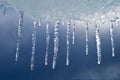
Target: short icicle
x,y
39,22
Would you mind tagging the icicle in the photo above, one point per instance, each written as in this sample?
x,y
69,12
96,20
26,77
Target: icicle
x,y
112,40
98,44
73,34
86,38
47,43
39,22
4,8
68,43
56,44
63,23
33,44
4,11
19,34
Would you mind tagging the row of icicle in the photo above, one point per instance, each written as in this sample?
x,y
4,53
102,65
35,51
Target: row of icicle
x,y
56,40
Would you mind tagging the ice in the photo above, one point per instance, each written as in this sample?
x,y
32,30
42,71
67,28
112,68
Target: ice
x,y
20,25
117,21
86,32
56,44
98,44
39,22
112,40
4,7
68,42
73,34
71,8
33,44
47,42
4,10
63,23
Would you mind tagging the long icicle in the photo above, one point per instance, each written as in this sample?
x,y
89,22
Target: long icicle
x,y
68,43
112,40
19,34
98,44
86,32
56,44
47,42
73,34
33,45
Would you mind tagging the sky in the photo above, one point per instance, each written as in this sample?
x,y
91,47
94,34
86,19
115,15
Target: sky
x,y
81,67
